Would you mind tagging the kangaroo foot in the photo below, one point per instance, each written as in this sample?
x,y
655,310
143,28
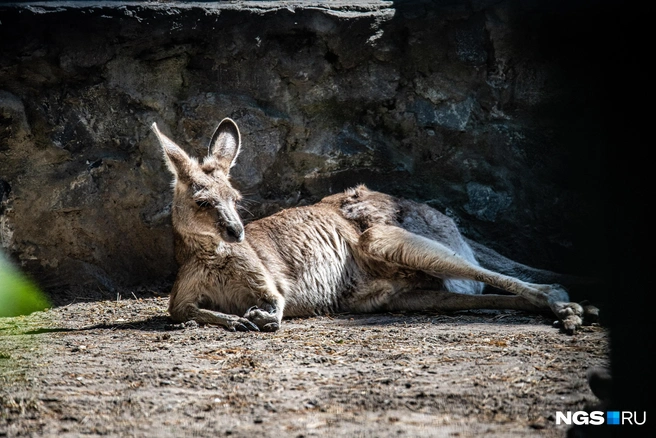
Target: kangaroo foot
x,y
570,315
265,321
241,325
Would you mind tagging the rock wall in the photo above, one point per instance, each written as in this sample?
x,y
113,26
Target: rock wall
x,y
487,110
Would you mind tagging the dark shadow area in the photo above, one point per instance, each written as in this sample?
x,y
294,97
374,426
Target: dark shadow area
x,y
504,317
153,324
71,295
598,43
165,324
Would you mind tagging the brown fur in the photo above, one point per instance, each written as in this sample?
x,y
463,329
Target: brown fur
x,y
357,251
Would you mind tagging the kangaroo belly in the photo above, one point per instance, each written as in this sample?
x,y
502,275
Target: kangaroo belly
x,y
309,254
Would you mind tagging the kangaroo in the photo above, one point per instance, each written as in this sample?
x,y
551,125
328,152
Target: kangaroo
x,y
357,251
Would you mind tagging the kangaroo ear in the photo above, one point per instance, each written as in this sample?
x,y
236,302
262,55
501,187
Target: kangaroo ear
x,y
176,159
225,144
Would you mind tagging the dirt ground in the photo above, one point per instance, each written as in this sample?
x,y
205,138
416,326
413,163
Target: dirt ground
x,y
120,368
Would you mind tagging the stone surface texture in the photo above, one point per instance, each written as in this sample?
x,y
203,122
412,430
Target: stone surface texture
x,y
481,109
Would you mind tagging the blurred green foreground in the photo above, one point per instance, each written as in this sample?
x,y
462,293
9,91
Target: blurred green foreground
x,y
18,295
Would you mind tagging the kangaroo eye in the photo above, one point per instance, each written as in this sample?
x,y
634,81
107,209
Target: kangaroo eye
x,y
203,204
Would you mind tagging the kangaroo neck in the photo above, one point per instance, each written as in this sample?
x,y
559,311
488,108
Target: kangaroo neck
x,y
205,248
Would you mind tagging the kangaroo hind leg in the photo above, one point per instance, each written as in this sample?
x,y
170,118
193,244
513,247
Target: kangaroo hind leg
x,y
403,248
418,300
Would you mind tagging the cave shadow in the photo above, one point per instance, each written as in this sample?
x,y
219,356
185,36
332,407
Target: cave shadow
x,y
164,323
151,324
461,317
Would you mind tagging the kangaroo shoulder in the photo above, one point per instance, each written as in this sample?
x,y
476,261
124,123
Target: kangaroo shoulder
x,y
365,207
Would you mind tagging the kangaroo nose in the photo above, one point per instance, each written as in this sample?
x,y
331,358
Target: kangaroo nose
x,y
235,233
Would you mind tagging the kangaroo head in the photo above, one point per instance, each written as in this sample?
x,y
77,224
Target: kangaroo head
x,y
203,198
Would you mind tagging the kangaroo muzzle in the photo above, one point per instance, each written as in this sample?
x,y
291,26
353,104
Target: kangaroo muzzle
x,y
232,228
233,233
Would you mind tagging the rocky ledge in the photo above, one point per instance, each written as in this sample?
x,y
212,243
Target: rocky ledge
x,y
487,110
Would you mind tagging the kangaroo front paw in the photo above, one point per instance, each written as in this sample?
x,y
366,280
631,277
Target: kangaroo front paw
x,y
570,315
241,325
265,321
